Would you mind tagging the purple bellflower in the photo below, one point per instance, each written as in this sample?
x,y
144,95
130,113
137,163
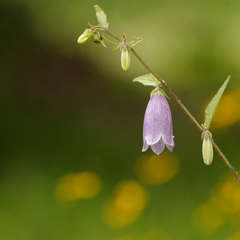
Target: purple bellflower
x,y
157,126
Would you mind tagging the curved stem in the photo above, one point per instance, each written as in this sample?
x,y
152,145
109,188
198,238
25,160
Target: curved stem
x,y
159,79
176,99
103,29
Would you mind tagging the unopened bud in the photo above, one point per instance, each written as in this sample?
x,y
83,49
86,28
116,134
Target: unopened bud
x,y
207,148
96,37
125,57
85,36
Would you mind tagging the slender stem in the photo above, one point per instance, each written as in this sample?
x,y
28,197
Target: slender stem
x,y
100,28
231,168
159,79
103,29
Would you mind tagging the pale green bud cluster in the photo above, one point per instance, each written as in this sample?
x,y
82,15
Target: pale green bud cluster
x,y
207,147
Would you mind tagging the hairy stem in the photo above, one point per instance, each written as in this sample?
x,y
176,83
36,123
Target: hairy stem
x,y
231,168
176,99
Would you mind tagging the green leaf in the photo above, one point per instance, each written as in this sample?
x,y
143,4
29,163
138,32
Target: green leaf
x,y
101,16
147,80
135,41
212,106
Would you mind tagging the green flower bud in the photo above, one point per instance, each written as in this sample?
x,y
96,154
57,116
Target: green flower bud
x,y
125,57
85,36
207,148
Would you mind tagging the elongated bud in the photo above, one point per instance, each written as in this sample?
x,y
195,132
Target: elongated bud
x,y
125,57
207,148
85,36
125,54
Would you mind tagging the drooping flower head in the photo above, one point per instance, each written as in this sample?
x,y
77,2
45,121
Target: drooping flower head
x,y
157,127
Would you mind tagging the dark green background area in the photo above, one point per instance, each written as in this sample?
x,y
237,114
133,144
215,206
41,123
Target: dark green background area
x,y
67,108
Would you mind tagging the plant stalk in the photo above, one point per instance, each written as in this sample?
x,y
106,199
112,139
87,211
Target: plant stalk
x,y
174,96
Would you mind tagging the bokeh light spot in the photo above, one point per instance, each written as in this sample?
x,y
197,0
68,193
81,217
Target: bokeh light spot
x,y
126,237
222,206
208,217
128,200
152,234
74,186
157,169
229,192
155,233
228,110
235,236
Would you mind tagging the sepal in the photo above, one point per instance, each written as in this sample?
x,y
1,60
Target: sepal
x,y
118,45
135,41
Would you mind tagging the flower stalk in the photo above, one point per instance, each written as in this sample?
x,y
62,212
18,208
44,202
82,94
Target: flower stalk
x,y
198,125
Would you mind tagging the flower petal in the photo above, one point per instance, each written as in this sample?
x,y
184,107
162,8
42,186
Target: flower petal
x,y
166,124
152,120
145,146
170,147
158,147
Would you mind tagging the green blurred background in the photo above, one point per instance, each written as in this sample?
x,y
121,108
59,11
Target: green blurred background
x,y
71,122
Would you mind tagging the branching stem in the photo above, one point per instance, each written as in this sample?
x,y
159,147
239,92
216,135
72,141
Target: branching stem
x,y
174,96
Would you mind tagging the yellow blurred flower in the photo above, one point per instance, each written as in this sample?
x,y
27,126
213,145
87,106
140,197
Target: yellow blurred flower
x,y
222,206
76,186
152,234
126,237
126,204
157,169
155,234
208,216
228,110
229,192
234,236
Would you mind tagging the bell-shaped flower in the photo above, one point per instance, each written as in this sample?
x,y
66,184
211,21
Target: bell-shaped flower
x,y
157,127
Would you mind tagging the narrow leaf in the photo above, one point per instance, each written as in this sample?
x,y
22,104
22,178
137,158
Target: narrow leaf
x,y
101,16
135,41
105,39
212,106
147,80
